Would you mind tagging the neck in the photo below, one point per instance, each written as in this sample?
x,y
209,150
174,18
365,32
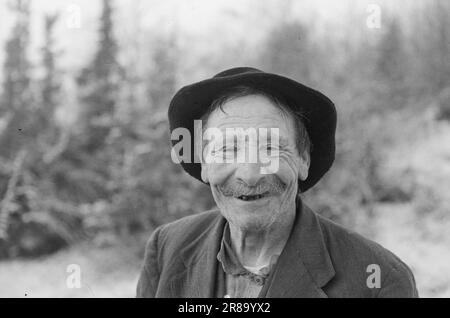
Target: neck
x,y
256,247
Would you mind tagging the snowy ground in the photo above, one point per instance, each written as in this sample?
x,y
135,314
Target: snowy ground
x,y
105,272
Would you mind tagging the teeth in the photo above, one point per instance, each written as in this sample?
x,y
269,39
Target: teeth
x,y
250,197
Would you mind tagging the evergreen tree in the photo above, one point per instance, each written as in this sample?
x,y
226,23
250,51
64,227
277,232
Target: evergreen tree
x,y
164,72
16,102
50,87
98,83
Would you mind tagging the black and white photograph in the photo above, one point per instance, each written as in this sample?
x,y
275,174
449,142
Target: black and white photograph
x,y
224,149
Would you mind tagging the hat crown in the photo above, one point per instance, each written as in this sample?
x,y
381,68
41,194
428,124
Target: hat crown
x,y
237,71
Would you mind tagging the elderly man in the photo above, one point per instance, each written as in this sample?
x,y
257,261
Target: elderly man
x,y
262,241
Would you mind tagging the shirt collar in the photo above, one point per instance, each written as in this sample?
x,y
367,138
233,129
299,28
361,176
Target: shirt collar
x,y
230,262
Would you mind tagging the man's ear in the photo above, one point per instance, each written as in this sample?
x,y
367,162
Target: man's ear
x,y
204,173
303,167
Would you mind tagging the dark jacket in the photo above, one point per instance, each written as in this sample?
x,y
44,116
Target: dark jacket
x,y
320,259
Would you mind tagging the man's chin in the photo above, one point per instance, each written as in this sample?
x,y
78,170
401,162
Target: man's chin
x,y
250,220
252,225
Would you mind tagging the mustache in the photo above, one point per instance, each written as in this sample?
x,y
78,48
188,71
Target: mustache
x,y
271,185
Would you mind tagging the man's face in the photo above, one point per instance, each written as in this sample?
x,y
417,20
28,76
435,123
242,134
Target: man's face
x,y
247,198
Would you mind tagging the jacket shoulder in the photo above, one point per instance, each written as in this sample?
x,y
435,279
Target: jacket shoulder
x,y
189,225
355,258
174,236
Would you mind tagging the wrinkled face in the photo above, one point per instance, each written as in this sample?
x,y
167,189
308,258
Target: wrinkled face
x,y
247,198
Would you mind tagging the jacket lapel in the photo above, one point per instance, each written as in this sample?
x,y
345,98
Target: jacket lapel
x,y
304,265
200,262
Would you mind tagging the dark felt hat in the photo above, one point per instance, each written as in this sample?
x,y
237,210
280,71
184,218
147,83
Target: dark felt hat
x,y
192,101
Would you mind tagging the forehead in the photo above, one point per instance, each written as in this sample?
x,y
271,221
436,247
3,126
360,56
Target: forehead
x,y
252,111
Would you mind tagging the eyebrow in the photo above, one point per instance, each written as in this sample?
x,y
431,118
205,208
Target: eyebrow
x,y
282,140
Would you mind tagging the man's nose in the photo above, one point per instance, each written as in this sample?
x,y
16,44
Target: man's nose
x,y
250,173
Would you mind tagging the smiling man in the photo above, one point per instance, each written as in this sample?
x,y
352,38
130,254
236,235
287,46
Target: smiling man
x,y
262,240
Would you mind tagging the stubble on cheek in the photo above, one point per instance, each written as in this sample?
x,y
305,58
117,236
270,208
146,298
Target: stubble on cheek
x,y
252,218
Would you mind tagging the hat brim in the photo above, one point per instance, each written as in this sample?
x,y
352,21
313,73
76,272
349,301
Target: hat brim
x,y
192,101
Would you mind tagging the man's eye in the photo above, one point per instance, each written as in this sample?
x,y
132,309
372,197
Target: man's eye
x,y
229,149
271,147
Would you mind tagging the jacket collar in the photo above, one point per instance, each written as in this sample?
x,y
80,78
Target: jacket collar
x,y
200,260
302,269
304,266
